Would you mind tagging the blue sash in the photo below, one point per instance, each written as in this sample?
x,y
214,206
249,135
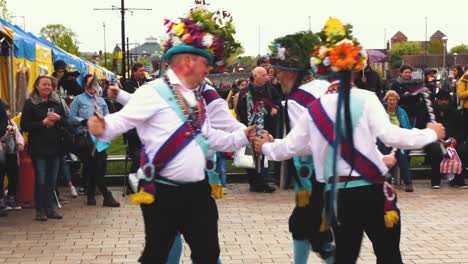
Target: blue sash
x,y
176,142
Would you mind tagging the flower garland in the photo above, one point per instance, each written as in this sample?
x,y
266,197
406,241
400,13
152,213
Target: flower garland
x,y
339,51
205,30
194,116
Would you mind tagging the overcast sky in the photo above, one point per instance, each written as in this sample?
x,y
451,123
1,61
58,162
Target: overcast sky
x,y
370,18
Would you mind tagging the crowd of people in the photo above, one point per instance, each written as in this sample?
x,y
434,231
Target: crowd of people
x,y
177,127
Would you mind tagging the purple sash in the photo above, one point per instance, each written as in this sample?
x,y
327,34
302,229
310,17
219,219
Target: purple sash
x,y
365,167
302,97
210,95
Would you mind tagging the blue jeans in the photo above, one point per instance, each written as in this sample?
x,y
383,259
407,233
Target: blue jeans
x,y
403,163
45,170
221,168
65,170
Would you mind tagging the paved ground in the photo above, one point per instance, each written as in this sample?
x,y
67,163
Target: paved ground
x,y
253,229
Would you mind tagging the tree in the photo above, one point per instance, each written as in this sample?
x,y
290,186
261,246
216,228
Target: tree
x,y
404,48
4,13
247,62
460,49
62,37
436,46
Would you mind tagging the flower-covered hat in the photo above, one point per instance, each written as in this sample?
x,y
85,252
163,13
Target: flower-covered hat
x,y
203,33
292,52
338,51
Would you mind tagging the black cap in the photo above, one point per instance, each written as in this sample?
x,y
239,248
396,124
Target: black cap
x,y
429,71
59,65
443,94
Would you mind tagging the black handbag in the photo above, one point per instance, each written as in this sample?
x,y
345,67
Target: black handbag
x,y
66,138
83,145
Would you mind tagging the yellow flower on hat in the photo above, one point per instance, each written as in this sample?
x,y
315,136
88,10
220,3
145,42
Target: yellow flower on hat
x,y
178,29
334,27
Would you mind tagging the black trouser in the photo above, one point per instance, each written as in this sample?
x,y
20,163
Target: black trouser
x,y
304,222
11,169
435,157
94,168
258,179
188,209
134,151
361,209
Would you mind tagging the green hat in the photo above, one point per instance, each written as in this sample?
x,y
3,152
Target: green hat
x,y
292,52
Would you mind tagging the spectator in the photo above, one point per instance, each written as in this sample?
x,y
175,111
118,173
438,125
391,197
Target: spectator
x,y
403,85
448,117
241,84
256,106
370,80
12,143
131,137
457,71
59,71
399,118
430,82
85,106
462,93
42,114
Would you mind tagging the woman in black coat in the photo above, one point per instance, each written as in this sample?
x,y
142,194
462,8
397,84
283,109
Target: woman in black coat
x,y
42,116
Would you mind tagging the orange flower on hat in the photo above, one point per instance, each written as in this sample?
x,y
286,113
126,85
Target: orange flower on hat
x,y
343,56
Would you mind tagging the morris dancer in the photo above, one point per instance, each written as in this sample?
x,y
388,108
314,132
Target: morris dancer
x,y
290,56
366,203
183,199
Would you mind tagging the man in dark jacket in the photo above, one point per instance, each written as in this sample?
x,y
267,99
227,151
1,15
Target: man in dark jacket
x,y
131,137
449,118
257,97
403,85
369,79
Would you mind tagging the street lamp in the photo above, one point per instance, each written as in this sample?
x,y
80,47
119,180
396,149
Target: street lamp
x,y
444,41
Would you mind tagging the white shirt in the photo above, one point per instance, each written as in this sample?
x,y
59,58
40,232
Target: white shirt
x,y
316,88
155,121
306,139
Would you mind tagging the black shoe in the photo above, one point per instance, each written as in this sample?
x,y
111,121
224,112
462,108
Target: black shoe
x,y
91,201
53,214
3,213
41,216
109,201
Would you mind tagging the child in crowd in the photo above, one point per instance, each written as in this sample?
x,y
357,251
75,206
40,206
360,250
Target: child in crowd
x,y
11,143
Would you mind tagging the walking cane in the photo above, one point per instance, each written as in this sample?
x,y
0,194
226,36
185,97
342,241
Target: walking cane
x,y
57,199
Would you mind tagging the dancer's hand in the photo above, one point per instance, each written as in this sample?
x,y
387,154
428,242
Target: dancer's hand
x,y
259,141
97,125
113,91
389,161
251,132
438,128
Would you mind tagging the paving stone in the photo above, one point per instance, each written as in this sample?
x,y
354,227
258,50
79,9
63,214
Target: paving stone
x,y
253,229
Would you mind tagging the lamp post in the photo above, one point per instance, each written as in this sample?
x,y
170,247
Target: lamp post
x,y
444,41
